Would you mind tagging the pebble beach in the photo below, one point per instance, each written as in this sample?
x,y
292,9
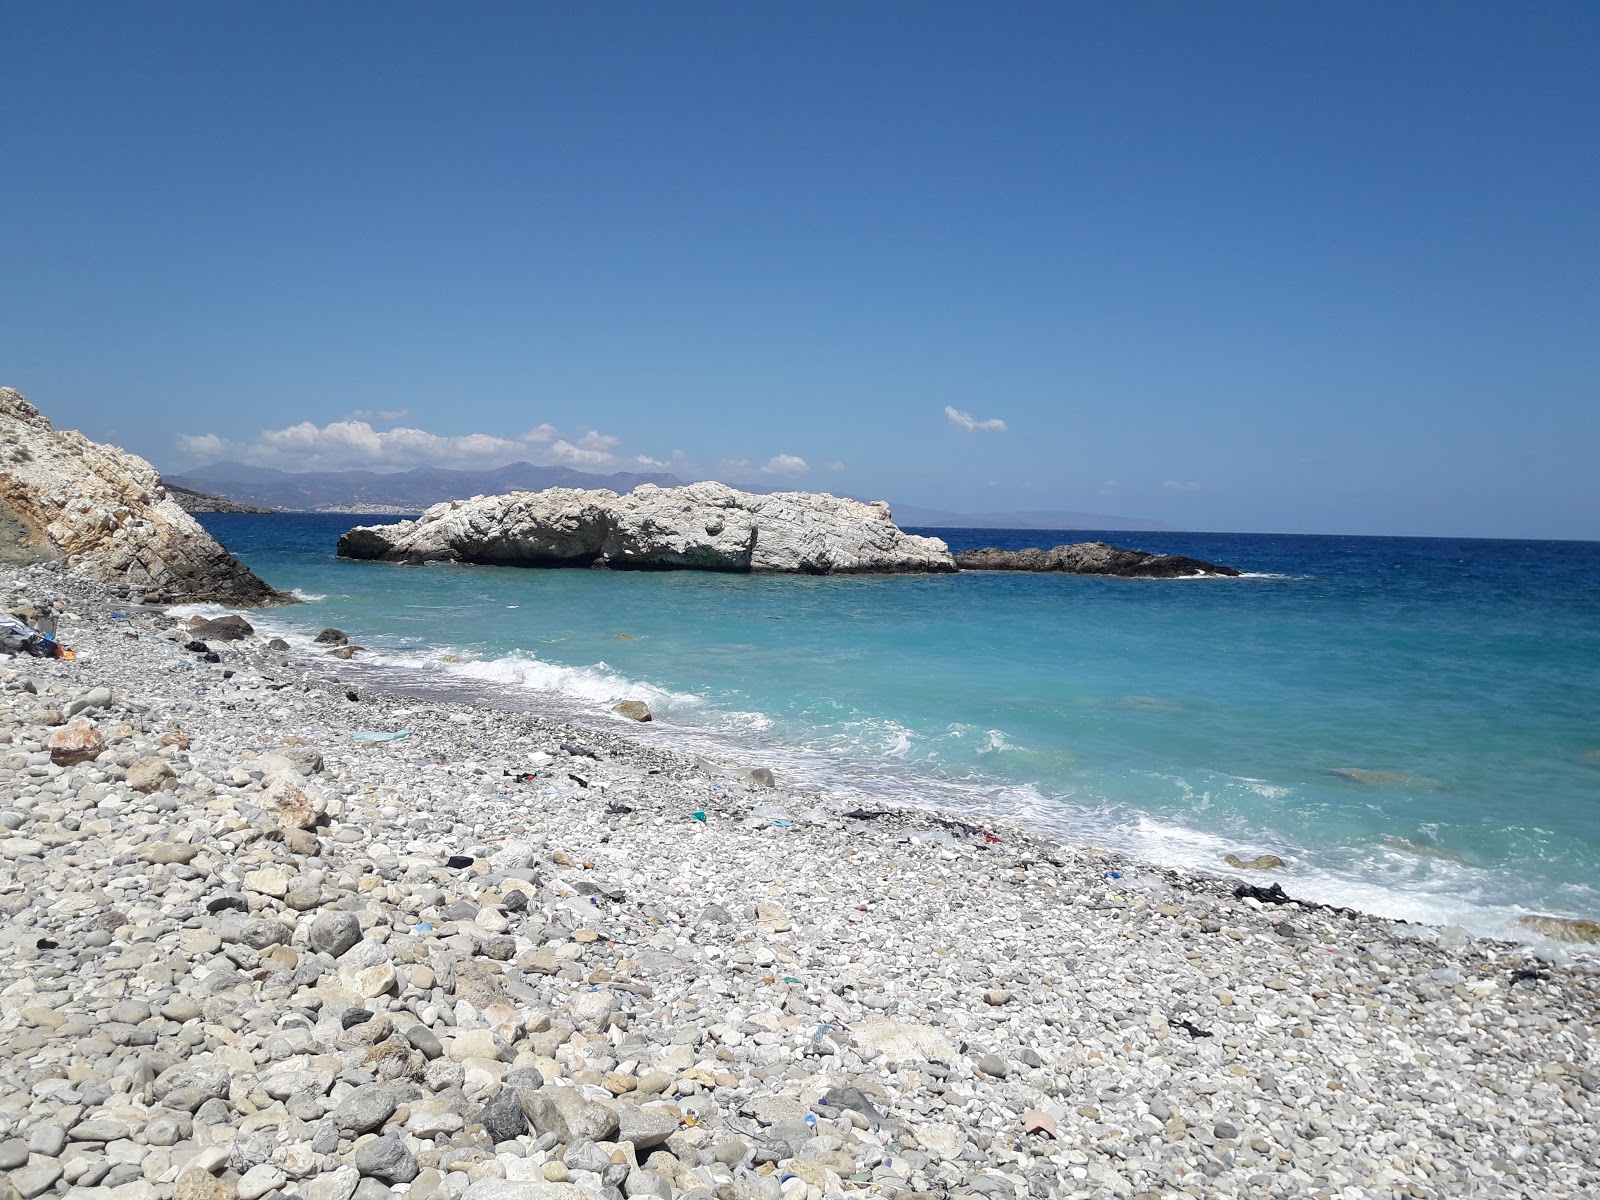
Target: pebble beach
x,y
257,946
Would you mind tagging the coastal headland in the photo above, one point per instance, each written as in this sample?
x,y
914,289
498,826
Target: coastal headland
x,y
273,932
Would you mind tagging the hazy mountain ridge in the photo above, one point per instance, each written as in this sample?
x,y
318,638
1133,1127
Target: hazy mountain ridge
x,y
933,518
414,490
400,491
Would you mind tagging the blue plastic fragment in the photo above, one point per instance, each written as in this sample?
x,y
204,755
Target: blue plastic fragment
x,y
422,927
1113,874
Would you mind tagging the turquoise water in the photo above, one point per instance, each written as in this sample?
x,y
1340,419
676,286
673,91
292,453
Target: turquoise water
x,y
1182,720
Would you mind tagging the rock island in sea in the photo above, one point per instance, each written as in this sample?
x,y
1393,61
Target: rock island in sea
x,y
275,934
701,527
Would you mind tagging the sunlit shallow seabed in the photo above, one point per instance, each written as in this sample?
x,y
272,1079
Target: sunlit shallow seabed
x,y
1409,723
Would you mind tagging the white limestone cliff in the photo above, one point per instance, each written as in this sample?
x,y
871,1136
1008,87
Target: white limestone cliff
x,y
102,511
702,526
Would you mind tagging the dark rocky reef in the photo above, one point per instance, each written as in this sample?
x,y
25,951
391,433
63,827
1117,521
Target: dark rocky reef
x,y
199,502
1089,558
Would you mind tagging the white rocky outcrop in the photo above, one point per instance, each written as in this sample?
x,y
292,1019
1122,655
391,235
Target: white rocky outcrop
x,y
103,512
700,527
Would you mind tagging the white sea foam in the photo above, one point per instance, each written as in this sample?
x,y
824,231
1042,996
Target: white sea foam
x,y
598,684
873,759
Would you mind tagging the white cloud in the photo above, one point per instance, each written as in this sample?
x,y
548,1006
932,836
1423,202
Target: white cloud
x,y
383,414
676,461
966,421
785,464
836,466
1172,485
206,445
540,435
579,456
351,443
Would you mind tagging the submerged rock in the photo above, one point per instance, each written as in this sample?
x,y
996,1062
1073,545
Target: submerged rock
x,y
634,710
232,628
103,512
1261,862
1561,929
1089,558
701,527
1395,779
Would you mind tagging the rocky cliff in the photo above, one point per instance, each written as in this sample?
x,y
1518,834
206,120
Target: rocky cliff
x,y
103,511
199,502
1089,558
699,527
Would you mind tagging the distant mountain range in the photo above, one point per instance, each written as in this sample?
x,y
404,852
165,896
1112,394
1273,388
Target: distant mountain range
x,y
395,492
414,490
932,518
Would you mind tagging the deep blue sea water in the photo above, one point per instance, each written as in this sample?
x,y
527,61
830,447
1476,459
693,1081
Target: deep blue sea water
x,y
1179,720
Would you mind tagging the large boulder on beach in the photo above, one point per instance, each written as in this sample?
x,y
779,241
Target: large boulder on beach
x,y
104,512
700,527
1089,558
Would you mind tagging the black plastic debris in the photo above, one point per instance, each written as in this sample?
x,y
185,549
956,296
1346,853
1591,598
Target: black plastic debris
x,y
457,861
1529,975
1266,895
352,694
583,783
1189,1027
47,944
211,656
617,810
196,647
1276,895
577,751
18,636
866,814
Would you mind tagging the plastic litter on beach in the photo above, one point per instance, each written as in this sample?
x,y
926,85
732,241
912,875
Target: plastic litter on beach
x,y
376,736
1276,895
698,814
33,638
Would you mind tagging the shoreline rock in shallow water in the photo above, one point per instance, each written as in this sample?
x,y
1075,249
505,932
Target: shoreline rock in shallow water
x,y
104,513
1089,558
701,527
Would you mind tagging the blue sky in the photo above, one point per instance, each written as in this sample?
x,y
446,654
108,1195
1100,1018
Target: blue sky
x,y
1327,268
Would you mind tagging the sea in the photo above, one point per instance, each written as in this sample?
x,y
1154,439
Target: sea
x,y
1411,724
